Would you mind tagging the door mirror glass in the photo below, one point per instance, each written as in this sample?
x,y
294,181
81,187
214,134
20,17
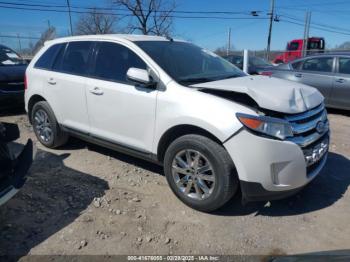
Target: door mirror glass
x,y
139,76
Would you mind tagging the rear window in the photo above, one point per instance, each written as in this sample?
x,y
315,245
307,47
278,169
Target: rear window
x,y
76,58
46,60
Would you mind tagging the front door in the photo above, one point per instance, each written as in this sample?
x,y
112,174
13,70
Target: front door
x,y
119,111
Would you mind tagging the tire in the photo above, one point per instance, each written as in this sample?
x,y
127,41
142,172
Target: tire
x,y
223,183
58,137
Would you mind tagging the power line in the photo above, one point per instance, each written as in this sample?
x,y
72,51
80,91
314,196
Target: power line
x,y
23,37
110,13
123,9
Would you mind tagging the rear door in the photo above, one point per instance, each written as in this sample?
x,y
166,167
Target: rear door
x,y
341,93
318,72
65,85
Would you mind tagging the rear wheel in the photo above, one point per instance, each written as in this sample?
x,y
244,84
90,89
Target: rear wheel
x,y
46,127
200,172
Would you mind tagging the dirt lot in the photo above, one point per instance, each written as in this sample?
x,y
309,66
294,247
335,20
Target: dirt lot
x,y
83,199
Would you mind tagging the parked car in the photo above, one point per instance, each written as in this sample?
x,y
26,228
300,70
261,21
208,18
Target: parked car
x,y
13,170
255,64
329,73
212,127
12,69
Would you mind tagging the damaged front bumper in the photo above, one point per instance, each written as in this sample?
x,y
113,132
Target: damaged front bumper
x,y
13,171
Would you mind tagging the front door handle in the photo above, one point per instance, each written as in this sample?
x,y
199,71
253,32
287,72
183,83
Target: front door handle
x,y
96,91
340,80
51,81
298,75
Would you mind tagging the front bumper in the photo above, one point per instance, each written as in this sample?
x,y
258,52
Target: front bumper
x,y
270,169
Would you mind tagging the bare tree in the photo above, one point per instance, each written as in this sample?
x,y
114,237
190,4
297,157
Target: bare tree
x,y
48,34
150,16
96,23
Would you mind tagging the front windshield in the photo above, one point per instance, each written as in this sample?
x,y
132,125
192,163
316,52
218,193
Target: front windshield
x,y
9,57
189,64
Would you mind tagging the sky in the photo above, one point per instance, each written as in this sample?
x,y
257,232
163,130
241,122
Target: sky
x,y
330,19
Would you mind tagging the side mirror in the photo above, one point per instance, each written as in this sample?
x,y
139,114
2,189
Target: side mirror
x,y
140,76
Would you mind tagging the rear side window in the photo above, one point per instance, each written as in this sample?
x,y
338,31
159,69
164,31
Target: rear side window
x,y
113,61
76,58
48,57
321,64
344,65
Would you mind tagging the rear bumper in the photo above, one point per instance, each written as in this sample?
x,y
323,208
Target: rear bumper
x,y
270,169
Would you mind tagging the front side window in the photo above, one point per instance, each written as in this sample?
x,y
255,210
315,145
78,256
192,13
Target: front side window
x,y
344,65
76,58
323,64
293,46
113,61
189,64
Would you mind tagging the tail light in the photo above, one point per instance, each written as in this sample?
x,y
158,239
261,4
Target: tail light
x,y
25,82
266,73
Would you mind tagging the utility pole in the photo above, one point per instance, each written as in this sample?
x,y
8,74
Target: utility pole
x,y
70,18
306,32
48,24
272,11
228,42
19,43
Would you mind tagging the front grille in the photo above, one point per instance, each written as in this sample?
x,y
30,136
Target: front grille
x,y
311,133
309,127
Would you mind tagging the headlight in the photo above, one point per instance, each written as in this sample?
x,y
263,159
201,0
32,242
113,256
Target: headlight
x,y
267,125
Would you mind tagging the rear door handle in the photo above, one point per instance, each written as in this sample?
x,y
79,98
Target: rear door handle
x,y
298,75
340,80
96,91
51,81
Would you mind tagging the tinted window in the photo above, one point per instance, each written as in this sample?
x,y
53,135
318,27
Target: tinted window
x,y
344,65
189,64
113,61
293,46
323,64
296,65
76,58
56,66
46,59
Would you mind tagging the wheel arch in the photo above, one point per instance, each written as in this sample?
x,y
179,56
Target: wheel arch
x,y
177,131
32,101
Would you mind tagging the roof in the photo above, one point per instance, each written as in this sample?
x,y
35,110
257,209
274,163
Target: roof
x,y
129,37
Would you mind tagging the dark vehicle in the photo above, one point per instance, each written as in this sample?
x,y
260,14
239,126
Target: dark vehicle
x,y
329,73
12,170
255,66
12,71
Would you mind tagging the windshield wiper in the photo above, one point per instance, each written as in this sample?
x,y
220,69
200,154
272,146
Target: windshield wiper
x,y
196,80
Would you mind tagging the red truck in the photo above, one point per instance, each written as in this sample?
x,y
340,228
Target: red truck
x,y
295,49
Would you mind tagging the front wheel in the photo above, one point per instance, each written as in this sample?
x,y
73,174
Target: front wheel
x,y
200,172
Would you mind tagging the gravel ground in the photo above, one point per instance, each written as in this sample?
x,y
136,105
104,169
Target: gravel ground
x,y
84,199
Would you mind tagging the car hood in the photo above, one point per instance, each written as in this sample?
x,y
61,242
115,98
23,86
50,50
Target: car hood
x,y
270,93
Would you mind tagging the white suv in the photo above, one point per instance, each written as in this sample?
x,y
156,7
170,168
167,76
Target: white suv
x,y
214,129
